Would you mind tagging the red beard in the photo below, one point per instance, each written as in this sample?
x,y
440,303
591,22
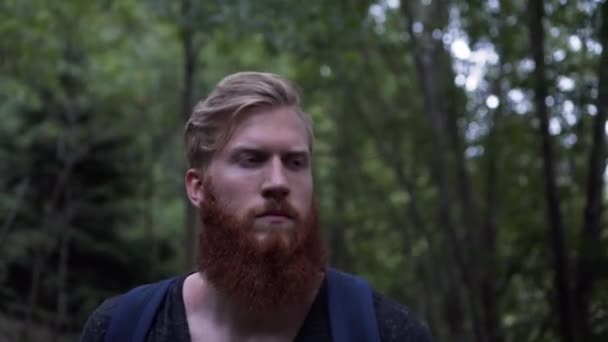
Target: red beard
x,y
259,275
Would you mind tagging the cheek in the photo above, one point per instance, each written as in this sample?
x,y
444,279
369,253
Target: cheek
x,y
235,197
305,195
233,192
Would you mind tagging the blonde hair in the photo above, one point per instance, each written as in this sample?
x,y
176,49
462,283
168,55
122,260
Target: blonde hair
x,y
215,118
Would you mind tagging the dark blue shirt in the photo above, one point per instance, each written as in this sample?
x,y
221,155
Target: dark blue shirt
x,y
395,322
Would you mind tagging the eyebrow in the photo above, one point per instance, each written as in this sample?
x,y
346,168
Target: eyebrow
x,y
256,150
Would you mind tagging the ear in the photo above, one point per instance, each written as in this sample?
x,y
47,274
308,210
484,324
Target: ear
x,y
194,186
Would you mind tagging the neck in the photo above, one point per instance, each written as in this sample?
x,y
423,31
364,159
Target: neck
x,y
204,302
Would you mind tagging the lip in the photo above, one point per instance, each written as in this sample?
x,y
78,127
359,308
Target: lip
x,y
274,218
275,214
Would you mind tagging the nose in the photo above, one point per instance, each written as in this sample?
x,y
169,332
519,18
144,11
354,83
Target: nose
x,y
275,184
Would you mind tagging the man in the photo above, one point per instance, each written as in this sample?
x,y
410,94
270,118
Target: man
x,y
261,268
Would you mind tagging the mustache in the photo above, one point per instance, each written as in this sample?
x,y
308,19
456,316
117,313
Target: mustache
x,y
281,208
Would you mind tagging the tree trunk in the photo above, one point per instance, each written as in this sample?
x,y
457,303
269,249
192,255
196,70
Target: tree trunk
x,y
427,54
484,310
590,250
469,209
32,299
453,312
187,103
489,291
490,281
61,318
62,201
339,250
556,230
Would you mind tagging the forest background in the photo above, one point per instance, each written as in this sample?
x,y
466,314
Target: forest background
x,y
460,160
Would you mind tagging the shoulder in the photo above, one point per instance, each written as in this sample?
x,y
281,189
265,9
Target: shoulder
x,y
99,321
397,323
95,328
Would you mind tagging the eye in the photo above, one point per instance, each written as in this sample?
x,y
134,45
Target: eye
x,y
297,162
250,160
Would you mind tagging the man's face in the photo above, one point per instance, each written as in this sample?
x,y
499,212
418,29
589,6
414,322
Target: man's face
x,y
265,162
260,244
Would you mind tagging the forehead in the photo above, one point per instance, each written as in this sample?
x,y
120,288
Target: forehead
x,y
279,128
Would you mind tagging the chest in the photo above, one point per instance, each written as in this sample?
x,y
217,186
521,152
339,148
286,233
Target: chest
x,y
204,329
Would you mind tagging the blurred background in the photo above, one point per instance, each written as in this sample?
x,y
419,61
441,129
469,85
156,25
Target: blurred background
x,y
459,163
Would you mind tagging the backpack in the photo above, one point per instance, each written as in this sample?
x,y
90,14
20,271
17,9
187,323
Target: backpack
x,y
350,300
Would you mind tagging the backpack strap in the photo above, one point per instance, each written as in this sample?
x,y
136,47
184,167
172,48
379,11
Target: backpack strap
x,y
351,308
135,312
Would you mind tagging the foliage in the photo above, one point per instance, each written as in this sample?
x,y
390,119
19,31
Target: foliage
x,y
91,170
